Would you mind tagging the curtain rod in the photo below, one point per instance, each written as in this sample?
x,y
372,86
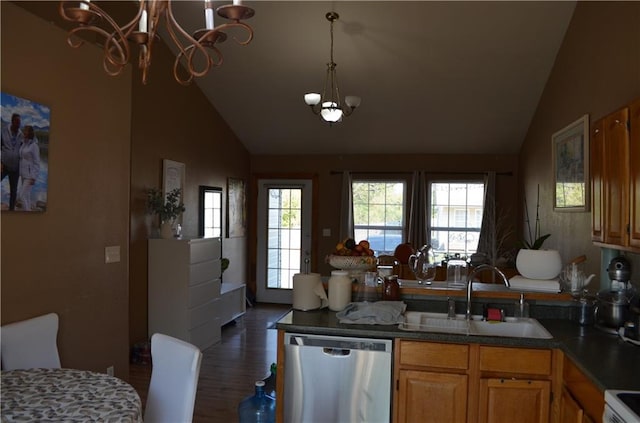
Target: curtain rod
x,y
402,172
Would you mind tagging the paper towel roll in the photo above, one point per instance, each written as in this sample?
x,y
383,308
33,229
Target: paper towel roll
x,y
308,292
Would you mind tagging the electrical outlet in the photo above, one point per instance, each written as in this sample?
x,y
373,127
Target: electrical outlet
x,y
110,370
112,254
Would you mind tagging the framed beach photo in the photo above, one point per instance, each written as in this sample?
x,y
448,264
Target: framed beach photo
x,y
570,151
25,154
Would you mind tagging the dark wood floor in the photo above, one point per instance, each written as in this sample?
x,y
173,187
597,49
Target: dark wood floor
x,y
230,368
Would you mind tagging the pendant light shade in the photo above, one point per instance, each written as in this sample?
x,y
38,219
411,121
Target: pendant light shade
x,y
328,105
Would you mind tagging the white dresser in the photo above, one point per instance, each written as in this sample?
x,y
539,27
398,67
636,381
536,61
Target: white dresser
x,y
184,289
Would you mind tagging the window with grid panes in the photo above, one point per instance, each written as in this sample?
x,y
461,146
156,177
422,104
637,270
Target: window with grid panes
x,y
456,217
379,210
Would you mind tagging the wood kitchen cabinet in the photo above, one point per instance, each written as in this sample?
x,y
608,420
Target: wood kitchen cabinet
x,y
432,382
515,384
570,410
596,164
634,174
514,400
615,178
581,400
438,382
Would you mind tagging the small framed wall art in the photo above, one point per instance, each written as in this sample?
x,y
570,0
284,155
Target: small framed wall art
x,y
172,177
570,151
236,208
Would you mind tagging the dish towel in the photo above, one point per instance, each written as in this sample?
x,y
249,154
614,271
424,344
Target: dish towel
x,y
378,313
520,283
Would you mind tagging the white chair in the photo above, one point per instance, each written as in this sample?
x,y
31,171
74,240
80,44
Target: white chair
x,y
174,380
30,343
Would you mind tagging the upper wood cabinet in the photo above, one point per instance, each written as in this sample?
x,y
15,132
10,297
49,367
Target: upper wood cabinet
x,y
597,184
615,178
634,174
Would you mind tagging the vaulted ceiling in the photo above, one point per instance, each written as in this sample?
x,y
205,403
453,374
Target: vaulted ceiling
x,y
434,77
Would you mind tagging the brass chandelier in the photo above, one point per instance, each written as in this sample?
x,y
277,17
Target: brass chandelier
x,y
328,105
198,53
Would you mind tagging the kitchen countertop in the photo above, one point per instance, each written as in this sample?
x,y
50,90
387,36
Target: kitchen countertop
x,y
607,360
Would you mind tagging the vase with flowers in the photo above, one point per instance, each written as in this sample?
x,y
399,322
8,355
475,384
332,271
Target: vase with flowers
x,y
532,261
168,208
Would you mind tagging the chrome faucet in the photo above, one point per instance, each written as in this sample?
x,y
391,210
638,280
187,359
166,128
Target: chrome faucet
x,y
472,274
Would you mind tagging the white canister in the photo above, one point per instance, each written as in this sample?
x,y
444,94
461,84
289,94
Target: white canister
x,y
339,290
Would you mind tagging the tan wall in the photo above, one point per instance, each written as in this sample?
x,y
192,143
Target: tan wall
x,y
177,123
54,261
327,207
596,72
113,134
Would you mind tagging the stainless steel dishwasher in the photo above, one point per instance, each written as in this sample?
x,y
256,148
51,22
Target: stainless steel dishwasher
x,y
331,379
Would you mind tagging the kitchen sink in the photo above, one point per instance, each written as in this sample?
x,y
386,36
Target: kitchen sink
x,y
512,327
434,322
441,323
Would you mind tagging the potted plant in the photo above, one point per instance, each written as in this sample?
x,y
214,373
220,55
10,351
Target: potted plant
x,y
532,261
167,208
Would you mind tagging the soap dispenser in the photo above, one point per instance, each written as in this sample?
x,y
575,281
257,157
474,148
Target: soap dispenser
x,y
522,307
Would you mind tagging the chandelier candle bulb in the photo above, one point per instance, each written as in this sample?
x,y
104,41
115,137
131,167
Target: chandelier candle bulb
x,y
142,25
208,15
84,5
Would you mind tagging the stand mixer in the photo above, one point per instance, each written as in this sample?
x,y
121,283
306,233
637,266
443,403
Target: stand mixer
x,y
619,271
613,304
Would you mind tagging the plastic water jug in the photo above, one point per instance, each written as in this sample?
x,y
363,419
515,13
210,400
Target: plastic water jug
x,y
258,408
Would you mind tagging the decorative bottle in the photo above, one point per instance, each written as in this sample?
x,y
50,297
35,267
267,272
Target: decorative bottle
x,y
270,382
258,408
391,288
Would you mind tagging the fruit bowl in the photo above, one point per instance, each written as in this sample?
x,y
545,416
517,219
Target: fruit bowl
x,y
351,262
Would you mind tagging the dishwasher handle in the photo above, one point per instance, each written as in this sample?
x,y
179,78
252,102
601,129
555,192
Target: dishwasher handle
x,y
336,352
338,343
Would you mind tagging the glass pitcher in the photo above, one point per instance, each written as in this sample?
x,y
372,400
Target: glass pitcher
x,y
423,264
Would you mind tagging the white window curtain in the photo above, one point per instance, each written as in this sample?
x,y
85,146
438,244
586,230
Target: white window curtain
x,y
418,230
487,242
346,208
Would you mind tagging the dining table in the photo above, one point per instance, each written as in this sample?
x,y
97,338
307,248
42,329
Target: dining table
x,y
67,395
